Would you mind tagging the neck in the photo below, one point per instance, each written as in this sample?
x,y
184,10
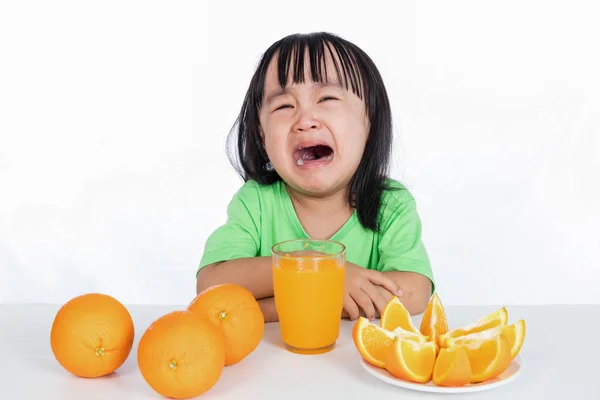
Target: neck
x,y
334,203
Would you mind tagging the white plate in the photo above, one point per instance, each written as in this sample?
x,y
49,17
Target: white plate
x,y
514,370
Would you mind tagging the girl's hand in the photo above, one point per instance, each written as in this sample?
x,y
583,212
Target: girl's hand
x,y
363,291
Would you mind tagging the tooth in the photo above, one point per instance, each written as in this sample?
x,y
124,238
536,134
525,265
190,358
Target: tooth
x,y
329,157
300,162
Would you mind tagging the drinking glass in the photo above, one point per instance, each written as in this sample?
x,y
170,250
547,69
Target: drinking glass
x,y
308,281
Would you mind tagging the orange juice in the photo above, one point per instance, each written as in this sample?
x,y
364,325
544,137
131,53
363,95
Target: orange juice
x,y
309,297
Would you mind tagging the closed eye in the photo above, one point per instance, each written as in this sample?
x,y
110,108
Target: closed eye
x,y
327,98
283,106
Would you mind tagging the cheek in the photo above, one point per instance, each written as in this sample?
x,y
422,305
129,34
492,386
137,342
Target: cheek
x,y
352,120
354,134
275,145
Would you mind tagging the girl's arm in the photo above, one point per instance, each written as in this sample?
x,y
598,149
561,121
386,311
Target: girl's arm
x,y
415,298
253,273
267,306
416,290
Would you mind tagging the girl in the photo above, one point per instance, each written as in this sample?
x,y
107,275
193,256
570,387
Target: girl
x,y
314,140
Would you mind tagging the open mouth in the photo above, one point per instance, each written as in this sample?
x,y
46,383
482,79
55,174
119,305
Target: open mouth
x,y
312,154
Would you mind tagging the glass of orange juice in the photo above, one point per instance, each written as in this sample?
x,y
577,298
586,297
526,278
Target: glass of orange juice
x,y
308,281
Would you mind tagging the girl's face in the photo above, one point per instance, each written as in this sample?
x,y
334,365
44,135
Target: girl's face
x,y
314,133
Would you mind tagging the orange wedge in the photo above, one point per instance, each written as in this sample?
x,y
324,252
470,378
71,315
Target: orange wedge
x,y
488,357
399,332
514,334
395,315
516,338
371,341
452,367
492,320
434,323
411,360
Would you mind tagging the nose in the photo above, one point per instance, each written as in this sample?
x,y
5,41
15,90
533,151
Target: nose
x,y
307,122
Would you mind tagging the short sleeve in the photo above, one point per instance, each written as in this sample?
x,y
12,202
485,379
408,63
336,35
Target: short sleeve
x,y
239,236
401,247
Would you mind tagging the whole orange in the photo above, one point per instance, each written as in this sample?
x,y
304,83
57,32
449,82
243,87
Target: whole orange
x,y
180,355
92,335
234,309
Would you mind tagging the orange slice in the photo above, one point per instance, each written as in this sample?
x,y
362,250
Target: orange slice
x,y
395,315
410,360
488,357
492,320
399,332
514,334
371,341
434,323
516,338
452,367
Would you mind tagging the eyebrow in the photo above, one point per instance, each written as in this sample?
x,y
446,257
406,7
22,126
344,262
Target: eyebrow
x,y
280,92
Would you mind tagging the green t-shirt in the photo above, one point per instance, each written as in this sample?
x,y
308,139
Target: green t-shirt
x,y
260,216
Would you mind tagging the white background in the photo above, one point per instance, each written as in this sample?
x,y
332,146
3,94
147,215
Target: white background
x,y
113,118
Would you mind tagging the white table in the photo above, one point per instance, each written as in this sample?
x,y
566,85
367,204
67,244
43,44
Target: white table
x,y
561,355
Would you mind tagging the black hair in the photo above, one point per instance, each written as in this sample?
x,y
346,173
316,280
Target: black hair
x,y
355,71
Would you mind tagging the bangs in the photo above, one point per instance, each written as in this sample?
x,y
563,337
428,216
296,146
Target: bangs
x,y
320,48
